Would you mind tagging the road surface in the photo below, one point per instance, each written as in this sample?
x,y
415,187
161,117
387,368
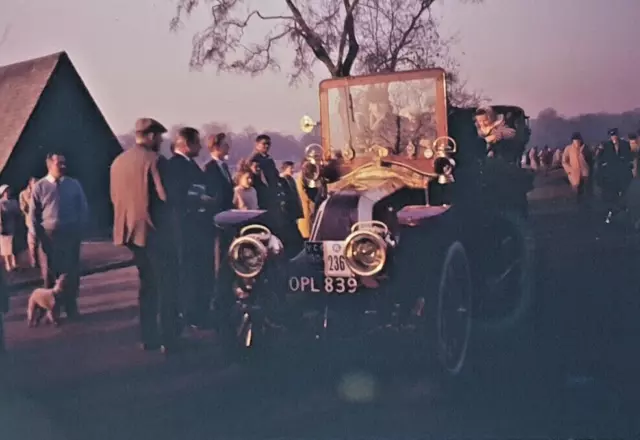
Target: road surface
x,y
88,380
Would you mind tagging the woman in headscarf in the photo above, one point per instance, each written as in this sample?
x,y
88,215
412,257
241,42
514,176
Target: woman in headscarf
x,y
498,136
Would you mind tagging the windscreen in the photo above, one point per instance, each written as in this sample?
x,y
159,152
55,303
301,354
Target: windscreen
x,y
388,115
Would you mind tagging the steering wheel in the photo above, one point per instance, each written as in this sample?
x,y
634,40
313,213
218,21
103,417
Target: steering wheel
x,y
450,140
265,233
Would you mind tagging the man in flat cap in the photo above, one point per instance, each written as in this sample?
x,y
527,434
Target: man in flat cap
x,y
615,164
142,224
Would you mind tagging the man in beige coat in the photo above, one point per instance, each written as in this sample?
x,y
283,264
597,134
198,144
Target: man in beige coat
x,y
141,223
575,165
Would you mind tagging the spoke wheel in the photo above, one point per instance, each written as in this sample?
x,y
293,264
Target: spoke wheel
x,y
507,275
244,336
447,317
244,333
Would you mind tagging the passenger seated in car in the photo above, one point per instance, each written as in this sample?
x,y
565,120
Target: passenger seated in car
x,y
498,136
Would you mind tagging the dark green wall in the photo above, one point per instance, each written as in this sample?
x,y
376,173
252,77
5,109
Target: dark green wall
x,y
66,120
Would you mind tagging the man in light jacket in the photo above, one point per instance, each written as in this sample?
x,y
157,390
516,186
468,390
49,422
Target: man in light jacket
x,y
575,165
58,214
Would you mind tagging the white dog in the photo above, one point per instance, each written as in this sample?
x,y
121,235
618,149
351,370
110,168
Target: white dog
x,y
43,302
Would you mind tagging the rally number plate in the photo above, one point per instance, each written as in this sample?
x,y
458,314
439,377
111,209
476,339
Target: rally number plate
x,y
335,264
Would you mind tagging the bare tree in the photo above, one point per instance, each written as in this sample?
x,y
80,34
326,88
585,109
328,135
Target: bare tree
x,y
381,35
400,35
212,128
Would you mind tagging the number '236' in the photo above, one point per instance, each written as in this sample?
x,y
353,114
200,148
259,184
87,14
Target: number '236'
x,y
337,263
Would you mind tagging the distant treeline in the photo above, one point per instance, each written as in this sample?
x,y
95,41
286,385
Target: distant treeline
x,y
554,130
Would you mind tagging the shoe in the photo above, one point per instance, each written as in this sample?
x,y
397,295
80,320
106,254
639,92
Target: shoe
x,y
73,315
171,347
148,346
168,350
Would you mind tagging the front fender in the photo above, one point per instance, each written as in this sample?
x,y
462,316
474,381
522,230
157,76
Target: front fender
x,y
236,218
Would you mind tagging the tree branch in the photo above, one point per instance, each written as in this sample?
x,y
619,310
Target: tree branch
x,y
426,4
354,47
343,36
312,39
367,36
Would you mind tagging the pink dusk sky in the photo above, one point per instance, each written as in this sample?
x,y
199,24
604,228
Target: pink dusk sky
x,y
577,56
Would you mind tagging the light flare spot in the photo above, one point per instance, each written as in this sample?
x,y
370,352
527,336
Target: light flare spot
x,y
359,387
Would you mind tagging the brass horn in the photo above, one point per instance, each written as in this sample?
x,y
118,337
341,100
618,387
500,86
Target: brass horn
x,y
312,169
444,147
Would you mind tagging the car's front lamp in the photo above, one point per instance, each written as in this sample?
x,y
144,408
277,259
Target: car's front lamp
x,y
365,252
249,252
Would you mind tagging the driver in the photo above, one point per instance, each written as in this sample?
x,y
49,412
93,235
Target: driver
x,y
498,136
417,124
382,127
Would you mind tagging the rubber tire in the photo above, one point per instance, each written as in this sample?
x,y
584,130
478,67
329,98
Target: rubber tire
x,y
233,344
434,313
522,313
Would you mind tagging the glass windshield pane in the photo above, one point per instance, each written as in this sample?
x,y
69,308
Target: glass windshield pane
x,y
389,115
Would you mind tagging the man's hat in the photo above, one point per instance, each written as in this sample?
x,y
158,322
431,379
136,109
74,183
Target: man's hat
x,y
149,125
613,132
576,136
3,189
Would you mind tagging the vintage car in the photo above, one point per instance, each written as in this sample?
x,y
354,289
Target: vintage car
x,y
419,234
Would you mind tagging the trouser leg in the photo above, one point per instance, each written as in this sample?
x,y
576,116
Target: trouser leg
x,y
2,341
196,279
168,303
32,246
64,259
186,280
223,291
46,259
164,263
205,276
72,270
147,296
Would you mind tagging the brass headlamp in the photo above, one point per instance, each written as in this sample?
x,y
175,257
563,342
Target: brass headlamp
x,y
248,253
365,248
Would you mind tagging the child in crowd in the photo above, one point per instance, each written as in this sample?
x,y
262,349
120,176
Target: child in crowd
x,y
245,196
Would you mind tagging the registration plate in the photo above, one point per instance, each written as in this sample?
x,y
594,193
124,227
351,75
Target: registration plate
x,y
335,264
323,284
